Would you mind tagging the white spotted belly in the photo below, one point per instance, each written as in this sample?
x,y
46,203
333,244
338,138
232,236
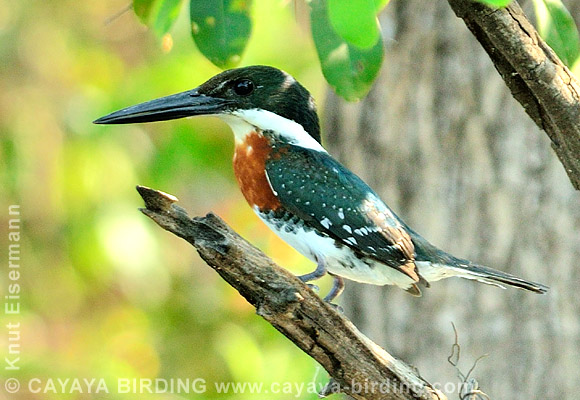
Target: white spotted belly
x,y
339,260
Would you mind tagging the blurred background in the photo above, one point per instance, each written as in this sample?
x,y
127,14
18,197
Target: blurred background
x,y
106,294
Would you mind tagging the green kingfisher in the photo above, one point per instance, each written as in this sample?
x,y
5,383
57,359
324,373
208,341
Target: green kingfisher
x,y
305,196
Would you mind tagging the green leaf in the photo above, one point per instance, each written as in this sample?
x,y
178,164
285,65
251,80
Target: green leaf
x,y
576,67
496,3
380,4
166,15
221,29
355,21
349,69
142,9
556,26
159,15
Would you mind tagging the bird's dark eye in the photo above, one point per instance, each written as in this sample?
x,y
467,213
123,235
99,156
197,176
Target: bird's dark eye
x,y
243,87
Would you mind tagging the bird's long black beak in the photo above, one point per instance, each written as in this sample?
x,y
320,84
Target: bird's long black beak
x,y
180,105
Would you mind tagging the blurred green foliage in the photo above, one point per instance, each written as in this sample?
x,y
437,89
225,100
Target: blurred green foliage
x,y
221,29
557,27
348,68
160,15
342,14
496,3
346,33
105,293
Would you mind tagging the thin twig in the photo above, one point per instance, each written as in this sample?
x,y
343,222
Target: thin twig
x,y
469,389
118,14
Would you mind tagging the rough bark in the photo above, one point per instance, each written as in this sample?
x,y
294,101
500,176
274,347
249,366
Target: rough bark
x,y
536,77
441,138
358,366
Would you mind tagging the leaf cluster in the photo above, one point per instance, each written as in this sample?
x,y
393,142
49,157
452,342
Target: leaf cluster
x,y
346,34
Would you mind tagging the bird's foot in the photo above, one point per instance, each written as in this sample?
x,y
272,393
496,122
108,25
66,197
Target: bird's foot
x,y
336,307
336,290
313,287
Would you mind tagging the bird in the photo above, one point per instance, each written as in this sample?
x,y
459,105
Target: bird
x,y
303,194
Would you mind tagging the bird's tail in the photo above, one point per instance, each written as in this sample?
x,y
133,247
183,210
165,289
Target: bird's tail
x,y
498,278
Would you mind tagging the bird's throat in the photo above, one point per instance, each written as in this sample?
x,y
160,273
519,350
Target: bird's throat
x,y
244,122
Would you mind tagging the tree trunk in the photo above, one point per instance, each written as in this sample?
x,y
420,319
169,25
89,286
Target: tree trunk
x,y
442,140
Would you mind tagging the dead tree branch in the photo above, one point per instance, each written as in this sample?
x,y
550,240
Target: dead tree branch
x,y
536,77
357,366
